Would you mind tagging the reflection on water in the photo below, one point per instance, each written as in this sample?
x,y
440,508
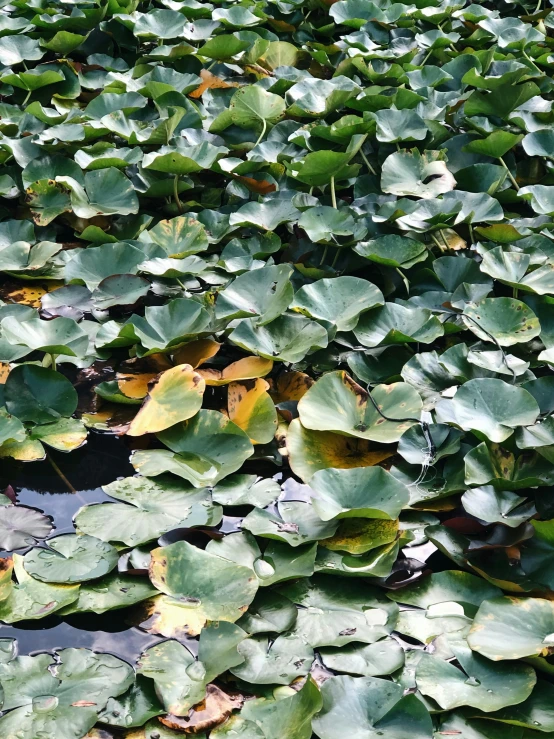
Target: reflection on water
x,y
100,461
105,633
61,506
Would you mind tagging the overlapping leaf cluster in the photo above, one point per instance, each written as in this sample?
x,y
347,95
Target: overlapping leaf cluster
x,y
308,238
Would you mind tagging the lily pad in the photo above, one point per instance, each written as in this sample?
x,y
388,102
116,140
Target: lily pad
x,y
497,631
22,527
344,493
215,588
71,558
337,403
149,509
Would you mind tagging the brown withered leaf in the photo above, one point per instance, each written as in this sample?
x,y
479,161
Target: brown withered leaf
x,y
216,708
210,82
290,386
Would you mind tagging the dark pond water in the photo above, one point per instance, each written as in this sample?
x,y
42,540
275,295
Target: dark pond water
x,y
100,461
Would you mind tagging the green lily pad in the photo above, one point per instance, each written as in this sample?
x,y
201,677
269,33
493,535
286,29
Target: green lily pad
x,y
412,173
287,338
368,706
337,403
276,663
344,493
490,408
215,588
71,558
292,522
508,321
396,324
340,300
497,631
204,450
39,395
334,613
371,660
480,683
150,508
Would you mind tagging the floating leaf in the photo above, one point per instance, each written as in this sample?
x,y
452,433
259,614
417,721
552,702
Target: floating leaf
x,y
215,588
337,403
149,509
175,396
71,558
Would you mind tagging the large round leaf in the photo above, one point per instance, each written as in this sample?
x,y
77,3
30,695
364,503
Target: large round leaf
x,y
287,338
490,408
150,508
30,599
412,173
265,292
215,588
109,593
366,707
393,251
370,660
337,403
253,107
179,679
62,701
206,449
70,558
287,717
480,683
511,628
38,394
333,612
293,522
365,492
276,663
339,301
509,321
396,324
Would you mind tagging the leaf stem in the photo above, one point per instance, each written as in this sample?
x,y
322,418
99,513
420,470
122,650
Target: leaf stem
x,y
437,242
60,473
510,175
471,234
404,280
176,194
333,194
53,361
264,129
426,57
367,164
324,254
27,96
337,252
